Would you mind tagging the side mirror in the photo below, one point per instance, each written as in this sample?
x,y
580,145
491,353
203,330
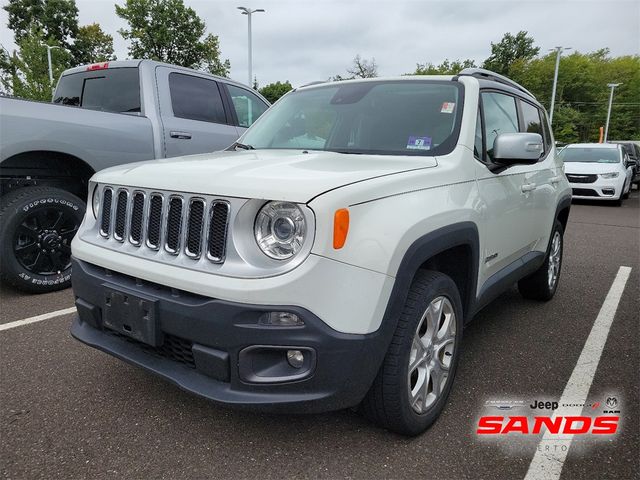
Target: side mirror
x,y
517,149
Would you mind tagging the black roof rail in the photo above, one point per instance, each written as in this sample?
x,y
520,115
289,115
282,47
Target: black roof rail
x,y
489,75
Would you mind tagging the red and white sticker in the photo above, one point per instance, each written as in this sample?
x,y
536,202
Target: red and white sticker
x,y
447,107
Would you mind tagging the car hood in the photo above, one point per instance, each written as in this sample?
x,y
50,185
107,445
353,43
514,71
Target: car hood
x,y
591,167
287,175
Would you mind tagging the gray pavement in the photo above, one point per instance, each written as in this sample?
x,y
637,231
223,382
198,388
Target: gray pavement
x,y
68,411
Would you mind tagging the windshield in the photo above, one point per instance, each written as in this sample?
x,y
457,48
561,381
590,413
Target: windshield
x,y
403,117
590,155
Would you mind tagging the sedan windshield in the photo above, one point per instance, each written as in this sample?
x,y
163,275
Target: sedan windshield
x,y
406,117
590,155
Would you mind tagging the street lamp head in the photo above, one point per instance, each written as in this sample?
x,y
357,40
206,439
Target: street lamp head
x,y
245,10
613,85
248,11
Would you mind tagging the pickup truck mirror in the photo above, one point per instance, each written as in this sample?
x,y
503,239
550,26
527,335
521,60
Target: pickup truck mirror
x,y
517,148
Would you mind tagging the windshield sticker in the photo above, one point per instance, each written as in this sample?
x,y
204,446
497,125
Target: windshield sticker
x,y
447,107
419,143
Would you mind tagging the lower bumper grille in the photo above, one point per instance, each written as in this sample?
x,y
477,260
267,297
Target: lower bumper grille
x,y
174,348
585,192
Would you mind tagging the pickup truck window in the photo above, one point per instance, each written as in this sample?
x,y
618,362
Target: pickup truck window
x,y
196,98
378,117
109,90
247,105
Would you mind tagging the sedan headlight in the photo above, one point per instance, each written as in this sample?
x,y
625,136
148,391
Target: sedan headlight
x,y
95,201
609,175
280,229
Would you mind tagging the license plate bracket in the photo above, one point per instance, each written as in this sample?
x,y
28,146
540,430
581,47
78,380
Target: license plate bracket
x,y
132,315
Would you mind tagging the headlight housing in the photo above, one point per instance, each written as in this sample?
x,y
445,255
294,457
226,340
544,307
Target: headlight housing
x,y
609,175
280,230
95,200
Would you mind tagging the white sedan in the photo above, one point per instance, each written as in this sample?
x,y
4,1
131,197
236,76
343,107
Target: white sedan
x,y
598,171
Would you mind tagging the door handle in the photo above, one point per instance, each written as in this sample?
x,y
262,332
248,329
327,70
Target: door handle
x,y
555,180
181,135
528,187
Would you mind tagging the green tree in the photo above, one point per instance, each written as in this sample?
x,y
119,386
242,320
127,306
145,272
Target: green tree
x,y
167,31
508,50
445,68
274,91
25,72
57,20
93,45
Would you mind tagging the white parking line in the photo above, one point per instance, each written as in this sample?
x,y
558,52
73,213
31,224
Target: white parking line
x,y
37,318
547,463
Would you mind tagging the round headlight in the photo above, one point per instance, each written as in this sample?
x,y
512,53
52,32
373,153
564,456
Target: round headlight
x,y
95,202
280,230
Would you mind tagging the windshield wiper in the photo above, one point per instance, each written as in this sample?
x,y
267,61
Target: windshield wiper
x,y
242,146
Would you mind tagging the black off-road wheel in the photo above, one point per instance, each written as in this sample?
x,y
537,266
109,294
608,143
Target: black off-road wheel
x,y
543,283
37,225
415,379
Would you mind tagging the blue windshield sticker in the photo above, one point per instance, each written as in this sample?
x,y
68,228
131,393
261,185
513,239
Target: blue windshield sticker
x,y
419,143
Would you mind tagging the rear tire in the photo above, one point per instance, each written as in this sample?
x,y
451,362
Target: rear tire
x,y
543,283
37,225
415,378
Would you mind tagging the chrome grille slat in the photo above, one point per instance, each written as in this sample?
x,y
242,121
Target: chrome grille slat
x,y
194,230
217,231
105,213
136,229
173,224
191,227
154,223
120,224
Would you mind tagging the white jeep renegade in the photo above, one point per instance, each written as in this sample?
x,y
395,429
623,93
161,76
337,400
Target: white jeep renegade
x,y
331,257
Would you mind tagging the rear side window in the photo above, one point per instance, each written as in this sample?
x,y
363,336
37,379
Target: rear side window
x,y
500,116
247,105
108,90
196,98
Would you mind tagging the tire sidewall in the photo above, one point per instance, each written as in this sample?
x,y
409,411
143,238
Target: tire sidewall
x,y
557,227
442,286
27,203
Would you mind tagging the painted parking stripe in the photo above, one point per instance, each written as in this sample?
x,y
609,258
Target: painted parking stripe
x,y
37,318
547,465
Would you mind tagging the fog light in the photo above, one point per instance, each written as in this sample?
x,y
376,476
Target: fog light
x,y
295,358
281,319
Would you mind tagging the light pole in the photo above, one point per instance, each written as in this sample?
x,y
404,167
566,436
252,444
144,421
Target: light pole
x,y
247,11
49,48
612,86
558,51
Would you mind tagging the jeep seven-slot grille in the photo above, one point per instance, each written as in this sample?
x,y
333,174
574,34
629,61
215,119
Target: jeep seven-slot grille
x,y
172,222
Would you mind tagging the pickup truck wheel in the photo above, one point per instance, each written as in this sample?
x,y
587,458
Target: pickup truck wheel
x,y
415,378
542,284
37,225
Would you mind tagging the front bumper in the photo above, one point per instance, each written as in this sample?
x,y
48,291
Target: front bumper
x,y
601,189
205,342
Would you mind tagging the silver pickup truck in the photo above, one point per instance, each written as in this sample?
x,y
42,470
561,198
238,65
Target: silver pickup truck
x,y
102,115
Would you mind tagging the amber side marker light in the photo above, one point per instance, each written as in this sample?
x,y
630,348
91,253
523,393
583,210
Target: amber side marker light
x,y
340,228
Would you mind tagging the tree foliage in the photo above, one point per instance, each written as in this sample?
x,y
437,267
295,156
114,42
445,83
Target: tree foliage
x,y
582,94
274,91
510,49
445,68
56,20
93,45
363,68
25,72
168,31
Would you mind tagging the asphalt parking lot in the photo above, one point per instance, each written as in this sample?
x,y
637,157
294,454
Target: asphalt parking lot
x,y
68,411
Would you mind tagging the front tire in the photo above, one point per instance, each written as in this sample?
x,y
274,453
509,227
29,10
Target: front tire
x,y
37,225
415,378
543,283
